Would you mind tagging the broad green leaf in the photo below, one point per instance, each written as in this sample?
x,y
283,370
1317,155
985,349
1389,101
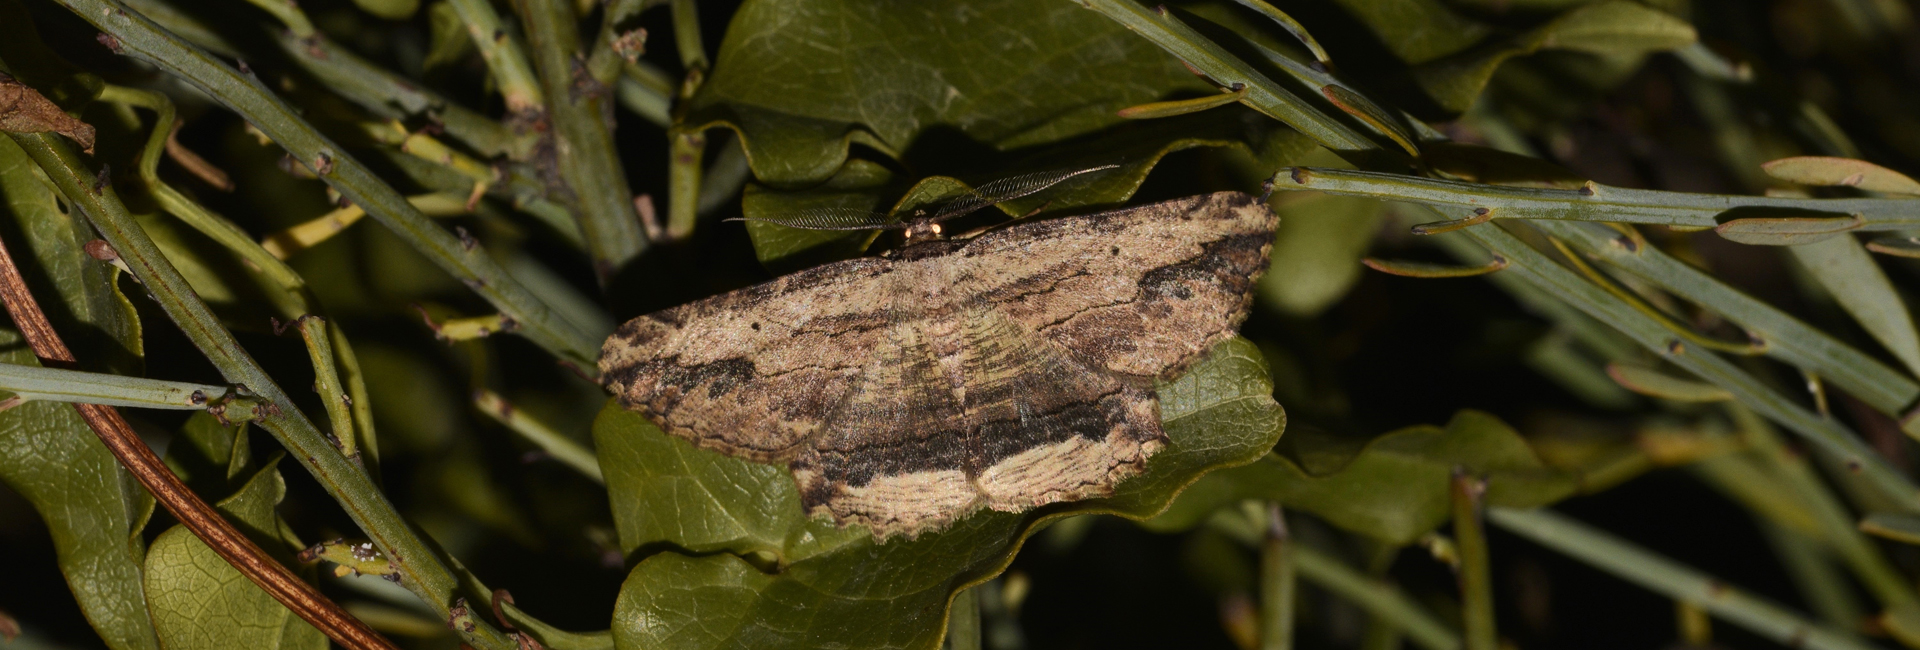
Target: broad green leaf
x,y
200,601
1614,29
1849,274
1395,488
1782,227
1417,31
1136,148
1842,172
92,507
801,79
208,456
1316,250
735,564
1653,383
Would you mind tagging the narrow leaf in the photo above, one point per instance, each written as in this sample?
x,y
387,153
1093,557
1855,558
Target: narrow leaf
x,y
1843,266
1783,230
1895,526
1841,172
1653,383
1182,106
1428,270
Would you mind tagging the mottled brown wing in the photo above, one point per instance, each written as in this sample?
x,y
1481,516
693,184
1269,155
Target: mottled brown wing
x,y
749,373
1048,428
1141,291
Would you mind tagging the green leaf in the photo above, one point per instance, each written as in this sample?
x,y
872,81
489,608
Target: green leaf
x,y
1614,29
1317,249
1135,147
200,601
93,508
449,36
1395,488
1417,31
715,526
1841,172
1653,383
1782,226
799,80
1849,274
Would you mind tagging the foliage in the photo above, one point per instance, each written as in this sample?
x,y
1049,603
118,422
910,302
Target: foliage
x,y
1695,241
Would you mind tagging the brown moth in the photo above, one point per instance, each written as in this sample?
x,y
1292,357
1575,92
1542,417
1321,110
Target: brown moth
x,y
1009,370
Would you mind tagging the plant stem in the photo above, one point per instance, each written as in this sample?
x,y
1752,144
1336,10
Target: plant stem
x,y
1475,574
560,447
503,56
422,570
246,96
58,385
1379,598
205,523
1277,584
584,153
285,288
313,329
1601,203
1678,581
1787,338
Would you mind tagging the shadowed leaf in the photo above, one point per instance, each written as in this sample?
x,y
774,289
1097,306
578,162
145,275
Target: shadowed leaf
x,y
1395,488
741,519
800,80
1614,28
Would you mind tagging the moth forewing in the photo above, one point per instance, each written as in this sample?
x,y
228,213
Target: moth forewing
x,y
1010,370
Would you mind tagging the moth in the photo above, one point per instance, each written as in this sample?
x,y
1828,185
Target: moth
x,y
1008,370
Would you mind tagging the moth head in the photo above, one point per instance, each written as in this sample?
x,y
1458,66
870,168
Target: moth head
x,y
923,231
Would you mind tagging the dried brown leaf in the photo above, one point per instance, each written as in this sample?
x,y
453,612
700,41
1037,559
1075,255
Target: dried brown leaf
x,y
25,110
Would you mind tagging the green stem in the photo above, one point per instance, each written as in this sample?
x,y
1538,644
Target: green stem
x,y
393,97
1277,583
502,54
1788,339
1678,581
560,447
1475,572
422,571
327,382
288,13
1599,203
283,286
57,385
246,96
1379,598
584,152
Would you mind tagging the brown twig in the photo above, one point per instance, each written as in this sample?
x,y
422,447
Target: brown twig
x,y
195,514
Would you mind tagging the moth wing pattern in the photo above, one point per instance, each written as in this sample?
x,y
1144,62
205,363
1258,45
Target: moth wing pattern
x,y
742,373
1009,371
1142,291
